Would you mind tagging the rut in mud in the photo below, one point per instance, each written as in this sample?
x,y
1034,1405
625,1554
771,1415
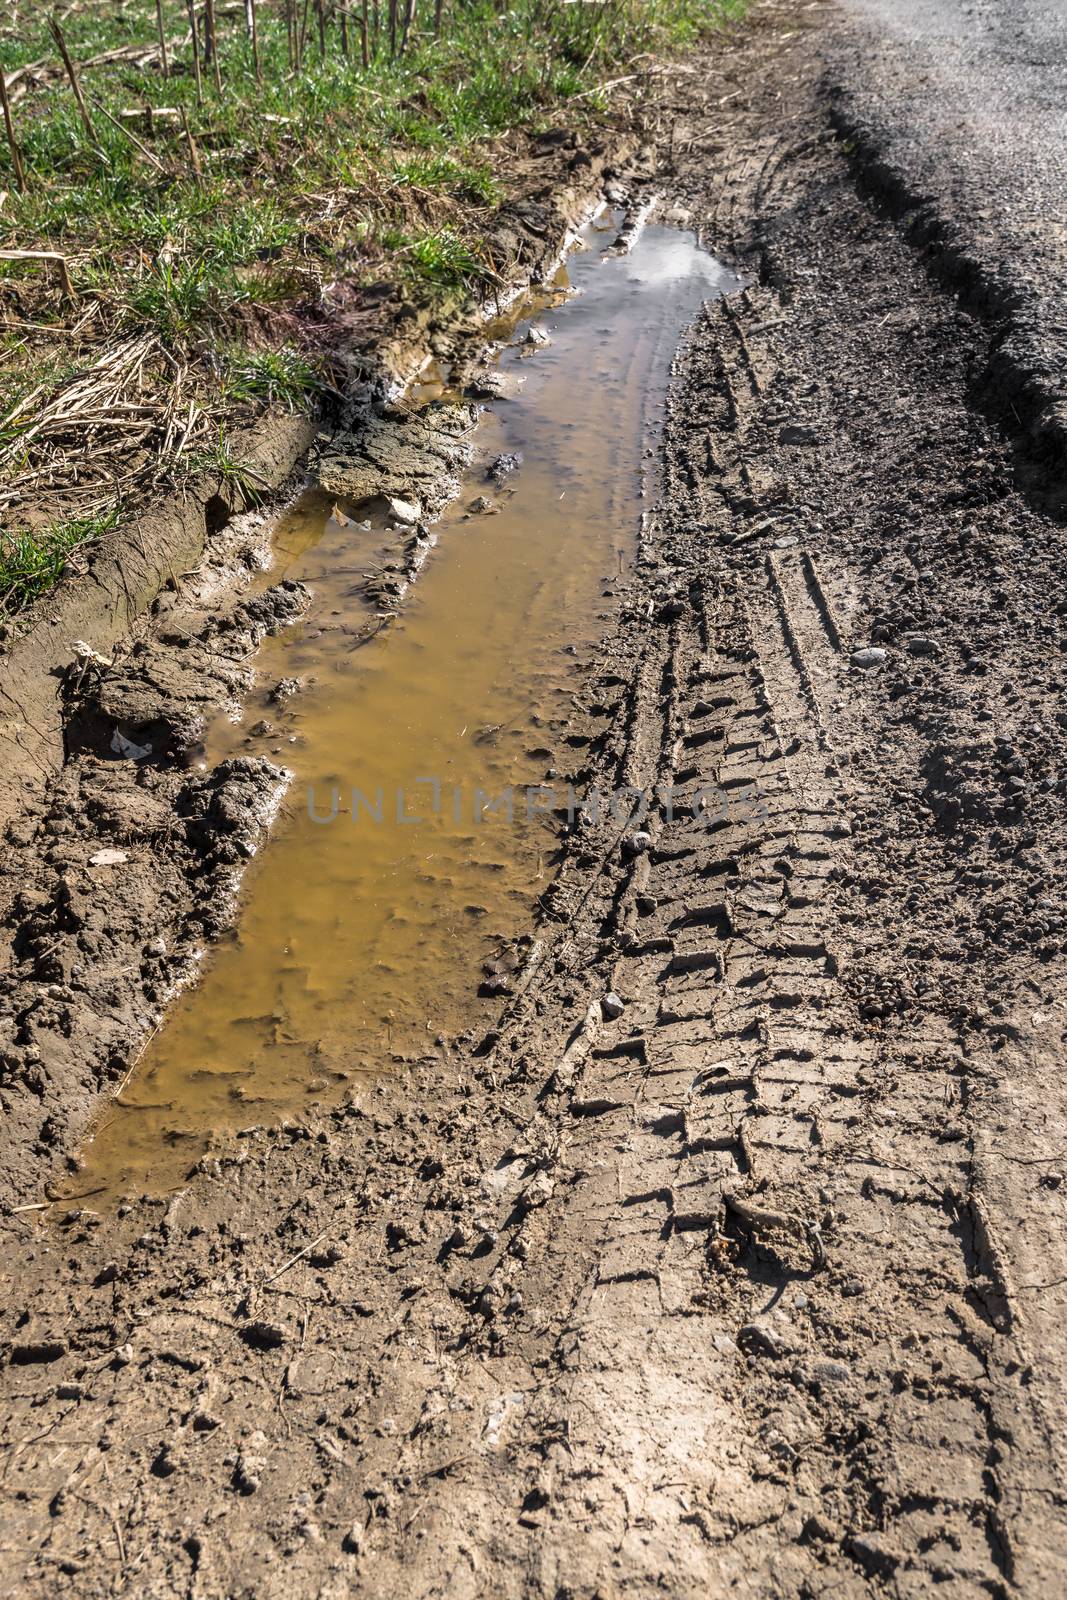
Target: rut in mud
x,y
756,1286
421,824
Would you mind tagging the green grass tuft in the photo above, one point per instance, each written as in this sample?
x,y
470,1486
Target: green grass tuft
x,y
32,563
277,377
444,259
220,458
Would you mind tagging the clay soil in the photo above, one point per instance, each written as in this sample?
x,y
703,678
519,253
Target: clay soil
x,y
757,1287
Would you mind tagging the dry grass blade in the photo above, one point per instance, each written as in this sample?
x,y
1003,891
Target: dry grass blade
x,y
44,255
132,137
162,39
13,144
72,74
194,34
77,440
194,154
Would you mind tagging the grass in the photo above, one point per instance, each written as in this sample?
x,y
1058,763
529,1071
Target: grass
x,y
317,170
383,143
443,258
281,378
220,458
31,563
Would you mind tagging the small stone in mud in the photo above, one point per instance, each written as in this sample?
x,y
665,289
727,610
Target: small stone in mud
x,y
916,645
128,749
403,511
248,1472
283,689
261,729
390,509
637,843
872,656
504,465
828,1371
819,1530
482,506
760,1339
108,858
611,1006
488,385
537,1192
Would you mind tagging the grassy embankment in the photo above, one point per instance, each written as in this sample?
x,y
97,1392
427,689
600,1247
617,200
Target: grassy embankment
x,y
199,204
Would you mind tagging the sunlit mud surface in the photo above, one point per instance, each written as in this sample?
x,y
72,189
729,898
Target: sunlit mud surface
x,y
361,941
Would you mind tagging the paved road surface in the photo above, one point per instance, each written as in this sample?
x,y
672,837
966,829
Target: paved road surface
x,y
965,102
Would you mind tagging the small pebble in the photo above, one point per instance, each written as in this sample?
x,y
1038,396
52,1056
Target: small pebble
x,y
872,656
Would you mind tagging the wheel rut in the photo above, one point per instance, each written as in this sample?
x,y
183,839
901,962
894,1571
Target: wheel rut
x,y
729,1259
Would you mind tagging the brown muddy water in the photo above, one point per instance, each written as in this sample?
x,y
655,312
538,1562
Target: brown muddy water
x,y
361,942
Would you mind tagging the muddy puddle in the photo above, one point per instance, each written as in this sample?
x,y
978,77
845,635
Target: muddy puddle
x,y
365,927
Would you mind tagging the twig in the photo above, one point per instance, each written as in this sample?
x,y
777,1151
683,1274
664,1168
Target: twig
x,y
162,39
254,29
211,44
131,136
57,34
16,153
191,5
106,1511
601,88
409,18
300,1254
194,154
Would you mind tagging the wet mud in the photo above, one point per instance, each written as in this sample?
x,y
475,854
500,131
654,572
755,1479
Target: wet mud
x,y
728,1254
431,748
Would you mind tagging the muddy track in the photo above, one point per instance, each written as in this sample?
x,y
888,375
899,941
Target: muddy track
x,y
752,1288
382,343
110,686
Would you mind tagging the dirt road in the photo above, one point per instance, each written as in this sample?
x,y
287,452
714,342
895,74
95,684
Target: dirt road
x,y
754,1283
